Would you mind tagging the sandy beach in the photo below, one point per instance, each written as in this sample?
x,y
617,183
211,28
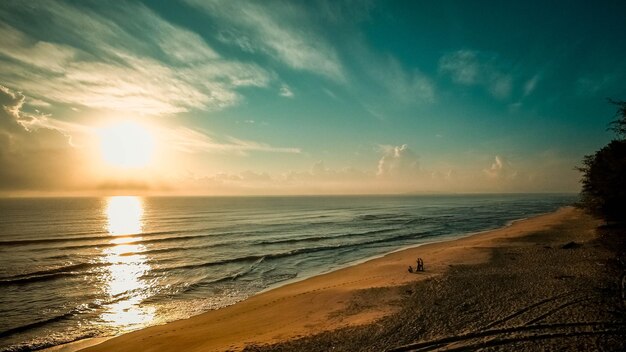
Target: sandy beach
x,y
355,296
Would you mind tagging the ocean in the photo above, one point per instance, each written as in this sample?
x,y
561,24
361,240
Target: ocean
x,y
75,268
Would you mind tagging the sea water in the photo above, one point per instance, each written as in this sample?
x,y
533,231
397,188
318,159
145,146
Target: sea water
x,y
74,268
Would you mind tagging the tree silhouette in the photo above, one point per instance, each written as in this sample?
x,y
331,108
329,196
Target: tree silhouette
x,y
604,174
619,124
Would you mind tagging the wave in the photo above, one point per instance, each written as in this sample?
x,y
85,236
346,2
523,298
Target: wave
x,y
106,236
50,341
293,252
322,238
49,274
232,277
264,242
50,320
50,240
418,220
176,239
386,216
103,239
82,268
178,249
109,244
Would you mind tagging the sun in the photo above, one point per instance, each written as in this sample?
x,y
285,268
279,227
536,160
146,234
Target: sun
x,y
126,144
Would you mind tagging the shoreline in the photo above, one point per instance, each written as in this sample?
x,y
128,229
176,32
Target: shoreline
x,y
84,343
325,295
446,238
551,288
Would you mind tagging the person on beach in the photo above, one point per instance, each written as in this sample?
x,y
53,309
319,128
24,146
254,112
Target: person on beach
x,y
420,265
410,269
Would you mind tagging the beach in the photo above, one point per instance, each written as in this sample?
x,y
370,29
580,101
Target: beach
x,y
120,264
356,296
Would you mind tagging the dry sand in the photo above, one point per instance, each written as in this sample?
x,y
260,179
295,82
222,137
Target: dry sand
x,y
349,300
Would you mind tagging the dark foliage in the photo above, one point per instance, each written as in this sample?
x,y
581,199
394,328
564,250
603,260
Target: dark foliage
x,y
619,125
604,174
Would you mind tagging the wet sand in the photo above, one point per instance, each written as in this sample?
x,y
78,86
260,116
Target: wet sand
x,y
342,307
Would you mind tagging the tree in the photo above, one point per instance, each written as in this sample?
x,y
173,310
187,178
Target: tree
x,y
604,174
619,124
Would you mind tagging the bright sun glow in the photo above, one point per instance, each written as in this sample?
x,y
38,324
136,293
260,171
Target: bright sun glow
x,y
126,144
124,214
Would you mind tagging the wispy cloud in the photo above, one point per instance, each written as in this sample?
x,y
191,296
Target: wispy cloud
x,y
407,86
108,65
43,55
384,85
591,85
38,103
291,34
190,140
278,31
472,68
531,84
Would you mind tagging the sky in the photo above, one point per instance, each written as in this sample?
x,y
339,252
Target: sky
x,y
305,97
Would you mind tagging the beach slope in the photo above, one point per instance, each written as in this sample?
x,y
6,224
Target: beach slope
x,y
346,301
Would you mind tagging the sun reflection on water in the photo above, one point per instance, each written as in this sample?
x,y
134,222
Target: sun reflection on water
x,y
124,215
124,283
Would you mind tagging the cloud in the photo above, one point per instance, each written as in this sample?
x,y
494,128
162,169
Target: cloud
x,y
330,93
398,162
405,86
109,65
319,169
320,174
247,182
383,85
591,85
34,153
189,140
46,56
531,84
397,171
38,103
285,91
41,153
500,169
292,34
471,68
282,32
320,179
12,103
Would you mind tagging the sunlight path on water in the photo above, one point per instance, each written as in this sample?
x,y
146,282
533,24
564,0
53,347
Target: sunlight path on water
x,y
123,281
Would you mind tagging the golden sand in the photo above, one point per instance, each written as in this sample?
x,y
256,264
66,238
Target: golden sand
x,y
323,302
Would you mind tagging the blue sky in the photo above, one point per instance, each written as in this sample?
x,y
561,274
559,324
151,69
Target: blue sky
x,y
315,97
